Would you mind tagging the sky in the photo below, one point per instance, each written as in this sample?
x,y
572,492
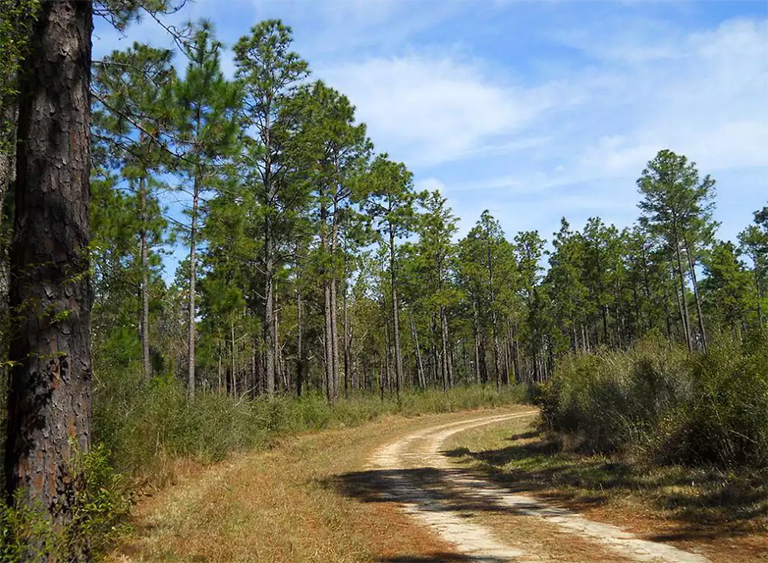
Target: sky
x,y
534,110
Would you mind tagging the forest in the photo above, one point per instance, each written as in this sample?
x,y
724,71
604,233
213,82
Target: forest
x,y
317,283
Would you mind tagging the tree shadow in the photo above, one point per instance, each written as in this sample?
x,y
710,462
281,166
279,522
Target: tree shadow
x,y
715,507
429,488
440,558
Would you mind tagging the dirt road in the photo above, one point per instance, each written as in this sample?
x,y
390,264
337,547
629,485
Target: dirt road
x,y
390,491
436,493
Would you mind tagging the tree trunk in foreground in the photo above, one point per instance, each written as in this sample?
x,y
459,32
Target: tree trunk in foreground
x,y
49,405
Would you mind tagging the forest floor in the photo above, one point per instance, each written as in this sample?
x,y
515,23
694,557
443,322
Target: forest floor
x,y
475,486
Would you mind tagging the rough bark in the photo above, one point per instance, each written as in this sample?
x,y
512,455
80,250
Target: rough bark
x,y
49,405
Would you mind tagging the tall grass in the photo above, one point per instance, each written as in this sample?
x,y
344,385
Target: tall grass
x,y
145,425
700,409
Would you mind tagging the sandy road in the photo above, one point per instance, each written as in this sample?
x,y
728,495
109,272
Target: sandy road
x,y
413,472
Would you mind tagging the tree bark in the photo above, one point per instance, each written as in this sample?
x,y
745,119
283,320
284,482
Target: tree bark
x,y
49,404
335,337
347,347
419,362
476,334
699,314
447,368
192,283
395,315
144,265
683,300
299,340
270,338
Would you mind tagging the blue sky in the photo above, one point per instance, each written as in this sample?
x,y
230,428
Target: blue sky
x,y
535,110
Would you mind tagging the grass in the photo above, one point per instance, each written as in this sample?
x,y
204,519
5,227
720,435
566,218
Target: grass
x,y
723,512
148,428
276,505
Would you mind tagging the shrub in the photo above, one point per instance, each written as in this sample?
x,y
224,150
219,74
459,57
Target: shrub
x,y
678,407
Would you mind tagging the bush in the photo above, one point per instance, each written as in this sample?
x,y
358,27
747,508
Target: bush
x,y
100,503
675,406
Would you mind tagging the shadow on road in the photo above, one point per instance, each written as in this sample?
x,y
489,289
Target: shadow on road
x,y
535,464
427,487
440,558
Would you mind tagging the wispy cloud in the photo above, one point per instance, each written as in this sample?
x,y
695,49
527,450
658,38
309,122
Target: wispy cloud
x,y
429,110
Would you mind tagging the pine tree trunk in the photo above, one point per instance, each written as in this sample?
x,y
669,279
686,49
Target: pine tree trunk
x,y
335,337
49,404
476,334
448,368
395,315
419,362
328,341
699,314
270,338
299,340
347,347
144,260
683,300
191,340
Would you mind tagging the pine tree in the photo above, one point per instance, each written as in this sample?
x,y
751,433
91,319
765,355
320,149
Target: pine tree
x,y
269,74
328,150
206,133
389,200
676,206
435,251
134,117
754,242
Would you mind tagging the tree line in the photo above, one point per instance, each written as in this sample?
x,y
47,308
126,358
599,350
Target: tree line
x,y
314,263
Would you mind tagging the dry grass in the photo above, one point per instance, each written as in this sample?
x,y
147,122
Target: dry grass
x,y
724,516
274,506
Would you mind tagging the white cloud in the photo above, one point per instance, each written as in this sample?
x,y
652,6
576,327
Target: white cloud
x,y
428,109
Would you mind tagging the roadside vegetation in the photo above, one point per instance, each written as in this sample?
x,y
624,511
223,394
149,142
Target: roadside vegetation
x,y
665,404
670,444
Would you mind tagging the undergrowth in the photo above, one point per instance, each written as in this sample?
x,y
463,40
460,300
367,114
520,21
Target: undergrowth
x,y
670,405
